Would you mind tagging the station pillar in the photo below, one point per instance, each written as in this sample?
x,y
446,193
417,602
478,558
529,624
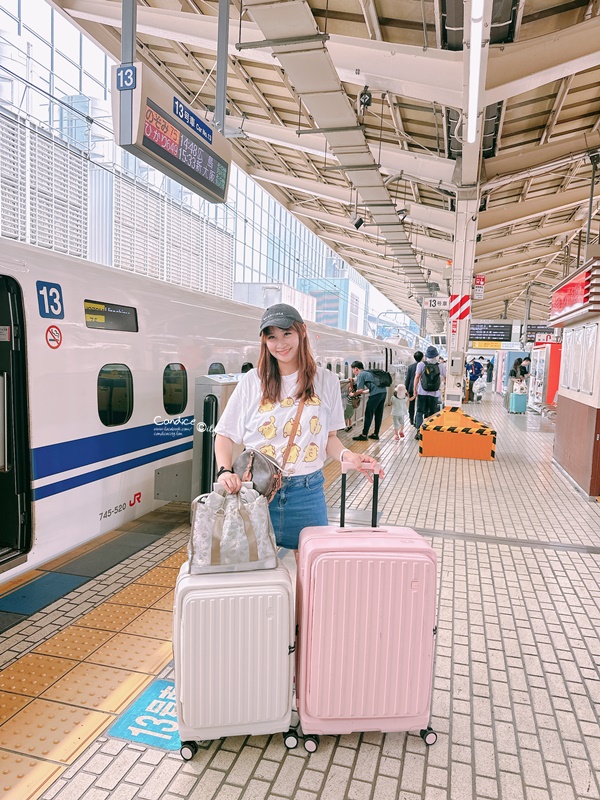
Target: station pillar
x,y
459,317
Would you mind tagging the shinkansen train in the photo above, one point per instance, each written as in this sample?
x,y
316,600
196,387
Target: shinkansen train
x,y
93,361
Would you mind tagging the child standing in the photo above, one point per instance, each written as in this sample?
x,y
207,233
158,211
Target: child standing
x,y
399,411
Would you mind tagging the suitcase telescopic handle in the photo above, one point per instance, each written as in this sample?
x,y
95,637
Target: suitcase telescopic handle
x,y
346,467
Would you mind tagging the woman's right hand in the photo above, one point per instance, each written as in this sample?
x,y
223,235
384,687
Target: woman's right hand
x,y
230,481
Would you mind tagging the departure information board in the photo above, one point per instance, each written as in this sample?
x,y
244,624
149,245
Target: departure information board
x,y
491,332
110,317
534,330
168,139
156,126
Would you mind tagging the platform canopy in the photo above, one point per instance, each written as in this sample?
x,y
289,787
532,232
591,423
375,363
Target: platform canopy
x,y
509,122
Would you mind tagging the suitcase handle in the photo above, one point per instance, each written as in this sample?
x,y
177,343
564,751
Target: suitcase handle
x,y
346,466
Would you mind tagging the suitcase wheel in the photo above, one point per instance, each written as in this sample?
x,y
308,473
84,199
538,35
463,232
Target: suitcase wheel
x,y
311,743
429,736
290,739
188,750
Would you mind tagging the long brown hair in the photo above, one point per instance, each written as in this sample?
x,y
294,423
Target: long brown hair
x,y
268,368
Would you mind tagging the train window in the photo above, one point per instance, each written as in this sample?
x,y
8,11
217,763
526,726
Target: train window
x,y
175,389
370,365
338,368
247,366
346,369
115,394
109,316
329,366
216,368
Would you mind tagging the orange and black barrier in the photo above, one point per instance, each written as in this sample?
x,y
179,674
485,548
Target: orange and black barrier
x,y
453,434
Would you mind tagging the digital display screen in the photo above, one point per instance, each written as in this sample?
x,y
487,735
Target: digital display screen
x,y
110,317
490,332
535,330
178,146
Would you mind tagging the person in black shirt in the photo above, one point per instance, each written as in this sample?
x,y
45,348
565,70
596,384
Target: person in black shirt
x,y
409,382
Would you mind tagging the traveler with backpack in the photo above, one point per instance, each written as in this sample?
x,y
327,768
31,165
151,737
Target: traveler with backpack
x,y
410,385
428,385
375,382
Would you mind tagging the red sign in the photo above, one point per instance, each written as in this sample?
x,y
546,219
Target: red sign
x,y
573,295
479,280
53,337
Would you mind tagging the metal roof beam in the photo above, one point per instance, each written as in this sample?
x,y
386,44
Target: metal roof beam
x,y
489,246
530,209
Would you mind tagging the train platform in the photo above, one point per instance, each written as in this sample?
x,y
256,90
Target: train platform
x,y
86,676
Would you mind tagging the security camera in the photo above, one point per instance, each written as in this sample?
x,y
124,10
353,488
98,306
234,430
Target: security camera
x,y
358,221
364,99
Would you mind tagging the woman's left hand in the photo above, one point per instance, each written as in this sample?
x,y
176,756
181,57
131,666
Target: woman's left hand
x,y
365,464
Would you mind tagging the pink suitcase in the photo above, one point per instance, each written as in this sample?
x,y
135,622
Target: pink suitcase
x,y
366,600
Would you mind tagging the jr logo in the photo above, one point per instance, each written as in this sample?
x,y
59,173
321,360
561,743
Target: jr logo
x,y
137,498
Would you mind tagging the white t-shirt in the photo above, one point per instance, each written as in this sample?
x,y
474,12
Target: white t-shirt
x,y
266,426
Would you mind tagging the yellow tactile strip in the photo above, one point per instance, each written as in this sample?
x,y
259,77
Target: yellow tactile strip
x,y
56,700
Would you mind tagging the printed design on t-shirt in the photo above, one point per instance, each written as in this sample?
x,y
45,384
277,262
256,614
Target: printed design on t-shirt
x,y
311,452
315,400
268,450
294,453
315,425
268,429
266,405
287,402
287,428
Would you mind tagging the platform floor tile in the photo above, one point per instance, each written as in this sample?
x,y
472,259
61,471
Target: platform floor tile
x,y
139,594
159,576
33,674
110,617
11,703
26,778
137,653
154,623
53,731
74,642
97,687
176,560
165,603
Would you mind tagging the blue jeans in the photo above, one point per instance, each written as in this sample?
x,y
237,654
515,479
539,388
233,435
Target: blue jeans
x,y
299,503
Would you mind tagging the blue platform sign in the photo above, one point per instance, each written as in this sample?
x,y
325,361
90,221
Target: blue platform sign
x,y
50,300
126,77
190,118
152,719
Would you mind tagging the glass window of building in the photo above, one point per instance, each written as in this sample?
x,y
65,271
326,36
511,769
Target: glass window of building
x,y
175,388
115,394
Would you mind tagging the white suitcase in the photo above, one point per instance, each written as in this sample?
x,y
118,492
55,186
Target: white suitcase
x,y
233,644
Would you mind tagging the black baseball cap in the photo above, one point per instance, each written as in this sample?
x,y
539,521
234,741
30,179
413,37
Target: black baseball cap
x,y
280,316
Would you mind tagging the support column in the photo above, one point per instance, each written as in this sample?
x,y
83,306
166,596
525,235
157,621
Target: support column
x,y
465,236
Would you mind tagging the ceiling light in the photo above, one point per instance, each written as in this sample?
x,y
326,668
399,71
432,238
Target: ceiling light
x,y
476,43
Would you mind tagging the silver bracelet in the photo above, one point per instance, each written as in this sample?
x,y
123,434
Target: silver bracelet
x,y
345,450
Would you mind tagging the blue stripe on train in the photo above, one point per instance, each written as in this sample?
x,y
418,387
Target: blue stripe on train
x,y
106,472
63,456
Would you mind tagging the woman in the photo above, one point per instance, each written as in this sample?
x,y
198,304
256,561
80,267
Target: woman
x,y
515,374
261,412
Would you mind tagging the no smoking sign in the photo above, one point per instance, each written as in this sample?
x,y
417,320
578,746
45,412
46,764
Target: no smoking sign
x,y
53,337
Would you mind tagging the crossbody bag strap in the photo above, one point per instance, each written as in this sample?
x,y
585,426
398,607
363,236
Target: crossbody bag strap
x,y
295,424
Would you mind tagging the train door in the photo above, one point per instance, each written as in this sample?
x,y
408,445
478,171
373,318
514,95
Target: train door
x,y
15,458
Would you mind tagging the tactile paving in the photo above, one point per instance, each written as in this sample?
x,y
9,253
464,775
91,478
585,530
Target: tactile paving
x,y
52,730
9,705
154,623
24,778
74,642
176,560
167,602
98,687
159,576
110,617
137,653
139,595
32,674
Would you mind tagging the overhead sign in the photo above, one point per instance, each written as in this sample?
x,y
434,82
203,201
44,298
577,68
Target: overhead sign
x,y
479,287
538,329
437,303
491,331
485,345
166,134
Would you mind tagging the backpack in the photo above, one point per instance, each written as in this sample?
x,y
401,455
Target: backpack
x,y
381,378
430,377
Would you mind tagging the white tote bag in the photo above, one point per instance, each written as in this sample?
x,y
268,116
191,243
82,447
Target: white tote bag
x,y
231,532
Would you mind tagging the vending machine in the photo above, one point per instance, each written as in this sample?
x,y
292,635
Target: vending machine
x,y
544,375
